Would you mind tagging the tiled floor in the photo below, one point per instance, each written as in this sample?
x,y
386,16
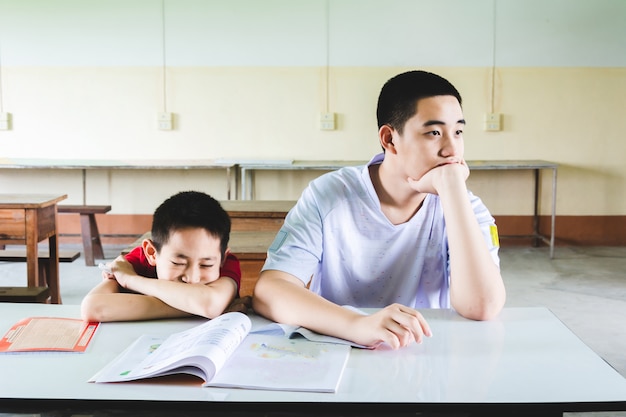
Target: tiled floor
x,y
584,287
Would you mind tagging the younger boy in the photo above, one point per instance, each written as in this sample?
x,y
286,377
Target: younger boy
x,y
189,257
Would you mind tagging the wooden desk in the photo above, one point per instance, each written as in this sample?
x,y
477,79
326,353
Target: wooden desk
x,y
27,219
525,362
257,215
267,209
251,250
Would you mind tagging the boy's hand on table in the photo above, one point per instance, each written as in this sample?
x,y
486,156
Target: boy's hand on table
x,y
396,325
121,269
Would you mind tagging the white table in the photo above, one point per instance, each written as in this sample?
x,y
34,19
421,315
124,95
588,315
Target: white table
x,y
247,169
111,164
537,166
525,360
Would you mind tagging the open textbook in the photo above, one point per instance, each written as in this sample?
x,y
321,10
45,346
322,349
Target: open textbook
x,y
224,353
263,326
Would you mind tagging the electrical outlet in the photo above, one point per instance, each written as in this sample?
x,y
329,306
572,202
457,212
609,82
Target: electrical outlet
x,y
327,121
493,122
5,121
165,121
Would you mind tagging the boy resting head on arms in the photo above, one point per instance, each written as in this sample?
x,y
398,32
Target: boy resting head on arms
x,y
189,257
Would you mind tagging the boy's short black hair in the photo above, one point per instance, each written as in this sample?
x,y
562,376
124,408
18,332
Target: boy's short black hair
x,y
398,98
190,209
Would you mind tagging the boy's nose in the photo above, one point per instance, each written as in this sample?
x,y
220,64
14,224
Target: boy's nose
x,y
192,276
450,147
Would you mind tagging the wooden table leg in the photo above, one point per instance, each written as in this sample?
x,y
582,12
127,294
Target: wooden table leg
x,y
52,276
32,250
91,238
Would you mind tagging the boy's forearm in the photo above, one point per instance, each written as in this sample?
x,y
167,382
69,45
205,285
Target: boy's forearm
x,y
110,307
286,300
476,286
202,300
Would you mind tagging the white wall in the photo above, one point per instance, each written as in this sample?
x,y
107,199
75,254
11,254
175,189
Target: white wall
x,y
247,78
392,33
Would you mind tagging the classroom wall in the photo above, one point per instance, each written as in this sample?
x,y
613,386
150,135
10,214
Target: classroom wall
x,y
247,79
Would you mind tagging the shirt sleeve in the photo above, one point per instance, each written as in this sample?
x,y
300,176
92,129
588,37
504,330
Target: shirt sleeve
x,y
140,264
297,247
488,227
232,269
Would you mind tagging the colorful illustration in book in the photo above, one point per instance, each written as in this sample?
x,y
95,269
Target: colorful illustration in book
x,y
273,351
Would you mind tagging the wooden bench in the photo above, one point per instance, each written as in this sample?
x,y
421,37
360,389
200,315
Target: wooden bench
x,y
92,245
257,215
24,294
34,294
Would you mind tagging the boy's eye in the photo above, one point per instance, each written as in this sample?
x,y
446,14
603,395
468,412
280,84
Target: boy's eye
x,y
434,133
459,132
178,263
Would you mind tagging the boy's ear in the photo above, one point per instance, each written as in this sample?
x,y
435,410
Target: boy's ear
x,y
385,136
150,251
226,253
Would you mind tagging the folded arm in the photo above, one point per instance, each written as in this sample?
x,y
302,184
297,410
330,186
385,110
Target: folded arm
x,y
154,298
206,300
283,298
105,303
476,286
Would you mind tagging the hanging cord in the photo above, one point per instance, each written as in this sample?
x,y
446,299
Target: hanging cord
x,y
1,93
163,50
493,61
327,105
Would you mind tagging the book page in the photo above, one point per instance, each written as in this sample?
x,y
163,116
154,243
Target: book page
x,y
123,364
37,334
205,347
216,339
278,363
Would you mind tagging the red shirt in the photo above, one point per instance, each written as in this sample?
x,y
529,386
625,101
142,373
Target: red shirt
x,y
138,260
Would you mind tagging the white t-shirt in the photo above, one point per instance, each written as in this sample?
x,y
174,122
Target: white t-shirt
x,y
338,237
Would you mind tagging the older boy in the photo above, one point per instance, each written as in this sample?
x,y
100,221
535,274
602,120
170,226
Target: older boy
x,y
187,254
399,234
